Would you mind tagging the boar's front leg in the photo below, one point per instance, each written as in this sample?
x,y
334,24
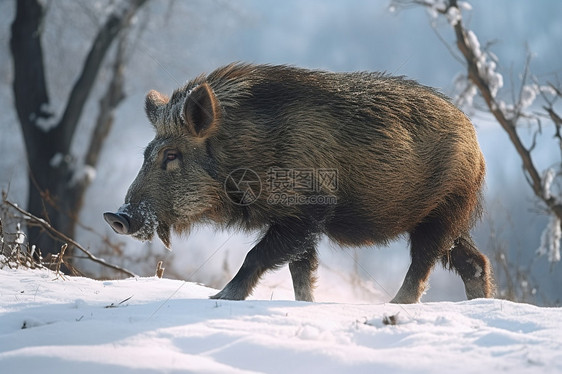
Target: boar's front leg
x,y
293,242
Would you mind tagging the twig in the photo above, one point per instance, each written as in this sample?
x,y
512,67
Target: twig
x,y
519,105
60,260
65,238
446,44
159,269
113,305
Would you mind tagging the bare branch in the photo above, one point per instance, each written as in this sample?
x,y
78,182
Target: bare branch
x,y
556,89
116,21
113,96
554,117
519,105
535,134
65,238
556,120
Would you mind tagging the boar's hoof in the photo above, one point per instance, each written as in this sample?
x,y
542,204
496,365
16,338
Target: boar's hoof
x,y
119,222
229,294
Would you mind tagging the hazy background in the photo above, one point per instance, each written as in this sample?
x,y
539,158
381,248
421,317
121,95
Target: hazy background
x,y
177,40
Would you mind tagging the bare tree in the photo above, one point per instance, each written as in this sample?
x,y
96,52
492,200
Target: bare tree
x,y
56,187
483,78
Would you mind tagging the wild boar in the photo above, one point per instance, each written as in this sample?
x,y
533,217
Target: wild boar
x,y
360,157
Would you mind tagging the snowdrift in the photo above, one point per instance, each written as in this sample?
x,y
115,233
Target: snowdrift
x,y
151,325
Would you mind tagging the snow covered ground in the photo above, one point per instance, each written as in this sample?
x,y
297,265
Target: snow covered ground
x,y
146,325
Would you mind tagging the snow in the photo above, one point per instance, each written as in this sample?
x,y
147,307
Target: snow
x,y
485,63
56,160
548,178
465,5
488,71
466,92
473,43
89,172
528,95
85,173
156,325
549,90
454,16
550,240
20,236
44,119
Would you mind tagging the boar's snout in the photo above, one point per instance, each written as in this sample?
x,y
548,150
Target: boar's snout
x,y
119,222
138,220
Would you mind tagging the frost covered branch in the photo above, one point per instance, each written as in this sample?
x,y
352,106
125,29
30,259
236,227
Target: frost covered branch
x,y
482,77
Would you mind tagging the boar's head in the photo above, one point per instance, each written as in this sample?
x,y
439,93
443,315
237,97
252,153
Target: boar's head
x,y
175,186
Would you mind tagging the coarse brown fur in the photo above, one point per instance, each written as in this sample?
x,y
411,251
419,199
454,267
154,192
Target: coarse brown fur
x,y
406,159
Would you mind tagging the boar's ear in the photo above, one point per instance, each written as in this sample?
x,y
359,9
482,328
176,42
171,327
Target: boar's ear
x,y
154,100
201,111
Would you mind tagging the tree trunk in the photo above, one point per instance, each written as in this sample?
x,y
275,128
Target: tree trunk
x,y
47,197
56,191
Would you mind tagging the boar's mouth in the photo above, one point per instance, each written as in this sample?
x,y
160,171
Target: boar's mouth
x,y
139,221
163,232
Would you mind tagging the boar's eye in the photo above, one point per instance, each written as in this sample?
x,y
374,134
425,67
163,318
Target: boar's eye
x,y
169,156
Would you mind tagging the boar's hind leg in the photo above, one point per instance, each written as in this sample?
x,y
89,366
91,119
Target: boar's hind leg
x,y
294,242
428,242
303,273
473,267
